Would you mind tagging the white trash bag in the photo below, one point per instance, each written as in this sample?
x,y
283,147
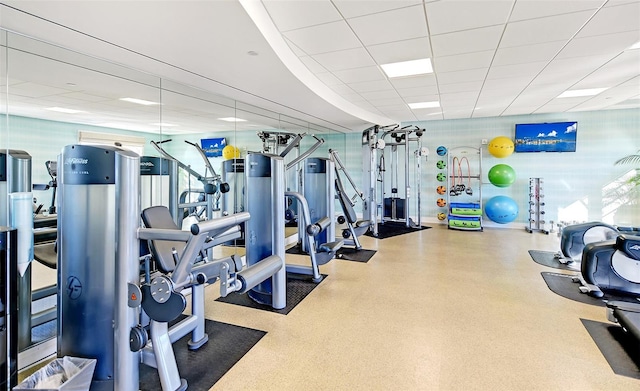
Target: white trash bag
x,y
62,374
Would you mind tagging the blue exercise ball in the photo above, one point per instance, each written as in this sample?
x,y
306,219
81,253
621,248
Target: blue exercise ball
x,y
501,209
441,151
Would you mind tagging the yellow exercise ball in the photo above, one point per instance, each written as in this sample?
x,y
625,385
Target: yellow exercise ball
x,y
501,147
230,152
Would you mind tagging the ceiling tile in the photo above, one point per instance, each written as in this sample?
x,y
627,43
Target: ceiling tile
x,y
33,90
343,90
351,8
378,95
516,70
345,59
396,102
295,49
409,49
390,26
312,64
324,38
611,44
454,15
527,53
424,97
458,99
360,75
462,76
418,93
461,62
289,15
510,85
378,85
461,87
413,81
540,8
476,40
549,29
614,20
617,71
329,79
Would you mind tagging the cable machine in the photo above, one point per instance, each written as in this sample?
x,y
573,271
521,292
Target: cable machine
x,y
395,206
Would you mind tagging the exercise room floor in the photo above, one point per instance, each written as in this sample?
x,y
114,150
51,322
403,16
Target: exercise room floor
x,y
436,309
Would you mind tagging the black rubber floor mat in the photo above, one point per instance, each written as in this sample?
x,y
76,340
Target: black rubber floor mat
x,y
394,228
350,254
548,258
563,285
619,348
204,367
298,287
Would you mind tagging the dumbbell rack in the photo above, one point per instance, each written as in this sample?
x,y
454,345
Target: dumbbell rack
x,y
536,207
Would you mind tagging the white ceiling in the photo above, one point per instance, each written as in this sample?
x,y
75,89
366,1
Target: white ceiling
x,y
490,58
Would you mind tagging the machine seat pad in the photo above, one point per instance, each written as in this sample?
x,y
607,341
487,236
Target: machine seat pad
x,y
330,246
160,217
630,245
46,254
363,223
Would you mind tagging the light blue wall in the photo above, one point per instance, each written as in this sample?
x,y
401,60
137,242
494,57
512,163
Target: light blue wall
x,y
573,182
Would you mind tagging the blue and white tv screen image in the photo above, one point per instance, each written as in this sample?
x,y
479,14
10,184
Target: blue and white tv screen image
x,y
546,137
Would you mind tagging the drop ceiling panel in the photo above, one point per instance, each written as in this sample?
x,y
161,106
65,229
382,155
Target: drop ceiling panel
x,y
454,15
549,29
476,40
378,85
294,48
507,86
537,9
424,97
461,87
350,8
413,81
33,90
609,44
358,75
312,64
458,99
390,26
409,49
613,20
463,61
329,79
290,15
417,94
527,53
345,59
373,96
617,71
468,75
324,38
343,90
516,70
389,104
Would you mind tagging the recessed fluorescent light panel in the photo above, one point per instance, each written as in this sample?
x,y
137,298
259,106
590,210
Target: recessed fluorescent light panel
x,y
577,93
424,105
408,68
140,101
634,46
63,110
232,119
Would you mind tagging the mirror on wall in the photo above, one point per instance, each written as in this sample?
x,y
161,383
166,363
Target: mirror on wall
x,y
52,97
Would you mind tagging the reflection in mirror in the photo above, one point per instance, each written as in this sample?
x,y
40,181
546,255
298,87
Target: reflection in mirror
x,y
56,97
52,97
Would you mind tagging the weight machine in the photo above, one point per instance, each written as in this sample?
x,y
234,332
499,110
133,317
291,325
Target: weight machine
x,y
355,227
378,207
208,196
104,305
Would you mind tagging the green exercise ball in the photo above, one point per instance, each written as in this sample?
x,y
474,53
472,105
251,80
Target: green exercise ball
x,y
502,175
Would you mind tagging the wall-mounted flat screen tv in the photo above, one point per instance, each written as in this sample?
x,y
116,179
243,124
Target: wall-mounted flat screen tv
x,y
546,137
213,147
